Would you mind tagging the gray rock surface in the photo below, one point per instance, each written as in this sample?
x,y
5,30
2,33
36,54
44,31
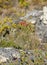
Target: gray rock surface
x,y
8,53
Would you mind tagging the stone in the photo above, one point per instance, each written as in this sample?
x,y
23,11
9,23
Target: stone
x,y
45,14
3,59
16,55
45,37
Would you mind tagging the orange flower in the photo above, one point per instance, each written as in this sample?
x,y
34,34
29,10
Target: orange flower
x,y
23,23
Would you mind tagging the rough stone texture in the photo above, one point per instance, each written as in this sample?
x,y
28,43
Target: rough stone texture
x,y
41,26
8,53
41,30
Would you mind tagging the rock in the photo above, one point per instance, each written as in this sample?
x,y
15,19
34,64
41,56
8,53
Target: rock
x,y
9,53
45,14
32,57
16,55
44,40
45,61
3,59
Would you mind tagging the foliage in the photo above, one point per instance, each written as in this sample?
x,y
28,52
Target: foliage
x,y
6,3
5,23
23,35
23,3
39,2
